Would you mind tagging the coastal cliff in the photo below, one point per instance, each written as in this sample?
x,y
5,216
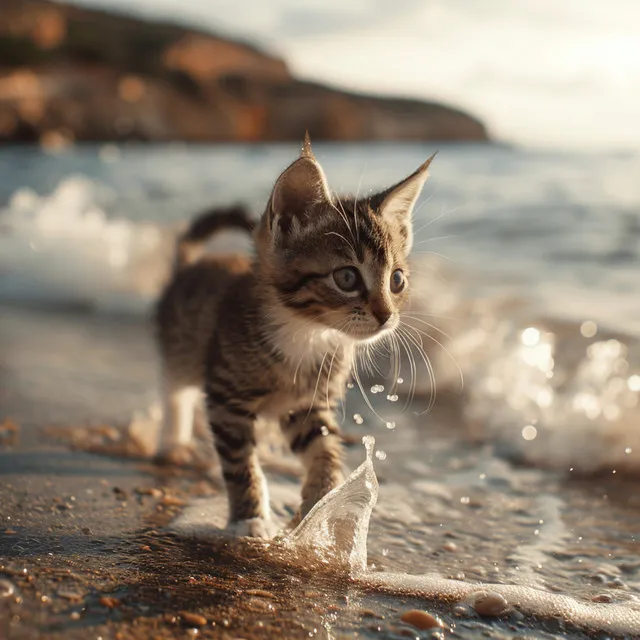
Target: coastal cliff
x,y
72,74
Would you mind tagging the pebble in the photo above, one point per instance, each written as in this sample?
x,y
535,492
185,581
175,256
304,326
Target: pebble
x,y
450,546
616,583
489,603
69,595
172,501
6,589
119,493
464,611
193,619
420,619
602,597
107,601
149,491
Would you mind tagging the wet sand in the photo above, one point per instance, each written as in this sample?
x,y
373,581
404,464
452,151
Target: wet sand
x,y
84,544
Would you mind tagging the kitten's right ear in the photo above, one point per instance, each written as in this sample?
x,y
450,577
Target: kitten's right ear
x,y
302,184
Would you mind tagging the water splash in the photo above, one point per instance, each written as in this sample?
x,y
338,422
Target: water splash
x,y
336,528
336,531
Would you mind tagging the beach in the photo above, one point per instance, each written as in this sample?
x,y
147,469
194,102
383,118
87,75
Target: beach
x,y
525,475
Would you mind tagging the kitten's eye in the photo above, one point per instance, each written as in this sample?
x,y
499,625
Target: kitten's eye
x,y
398,281
347,278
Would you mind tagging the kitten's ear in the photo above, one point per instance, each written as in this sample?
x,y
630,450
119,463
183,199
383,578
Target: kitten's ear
x,y
302,184
396,203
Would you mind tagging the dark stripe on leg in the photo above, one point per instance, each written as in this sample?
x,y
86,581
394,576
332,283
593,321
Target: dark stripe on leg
x,y
302,441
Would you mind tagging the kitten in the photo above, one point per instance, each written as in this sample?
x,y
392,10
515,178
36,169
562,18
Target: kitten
x,y
274,336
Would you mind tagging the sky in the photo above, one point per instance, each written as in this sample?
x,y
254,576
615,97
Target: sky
x,y
543,73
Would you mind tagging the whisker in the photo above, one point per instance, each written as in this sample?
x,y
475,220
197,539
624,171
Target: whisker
x,y
429,366
428,324
433,339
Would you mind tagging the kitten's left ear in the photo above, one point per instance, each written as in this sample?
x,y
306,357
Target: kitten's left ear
x,y
396,203
299,186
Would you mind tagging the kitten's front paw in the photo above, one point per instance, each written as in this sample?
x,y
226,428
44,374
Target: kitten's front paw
x,y
253,528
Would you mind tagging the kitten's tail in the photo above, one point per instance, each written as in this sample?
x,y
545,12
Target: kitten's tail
x,y
190,245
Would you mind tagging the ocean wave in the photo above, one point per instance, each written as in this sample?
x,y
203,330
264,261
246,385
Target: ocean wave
x,y
64,249
549,392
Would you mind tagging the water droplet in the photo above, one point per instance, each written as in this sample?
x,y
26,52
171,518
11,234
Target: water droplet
x,y
368,442
392,398
324,430
377,388
350,385
400,380
357,418
588,328
381,455
628,450
634,382
465,500
530,337
536,532
391,425
529,432
482,476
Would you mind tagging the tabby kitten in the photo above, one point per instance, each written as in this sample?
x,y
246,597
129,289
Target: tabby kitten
x,y
274,336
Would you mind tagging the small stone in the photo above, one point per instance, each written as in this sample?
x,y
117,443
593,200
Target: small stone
x,y
67,594
489,603
368,613
192,619
7,589
464,611
616,583
10,532
172,501
75,616
119,493
109,602
421,619
602,597
149,491
450,546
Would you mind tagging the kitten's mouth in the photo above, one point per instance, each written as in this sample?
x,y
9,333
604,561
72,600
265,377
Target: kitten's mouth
x,y
373,334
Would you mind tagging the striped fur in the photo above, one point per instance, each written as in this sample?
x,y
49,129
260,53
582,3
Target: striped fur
x,y
273,336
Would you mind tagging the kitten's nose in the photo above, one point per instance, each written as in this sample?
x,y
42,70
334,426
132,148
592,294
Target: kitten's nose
x,y
381,314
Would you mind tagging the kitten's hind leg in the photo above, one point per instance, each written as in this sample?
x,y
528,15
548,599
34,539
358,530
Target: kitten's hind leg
x,y
179,403
315,437
234,436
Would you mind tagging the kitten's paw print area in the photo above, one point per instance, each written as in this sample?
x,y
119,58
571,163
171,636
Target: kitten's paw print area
x,y
253,528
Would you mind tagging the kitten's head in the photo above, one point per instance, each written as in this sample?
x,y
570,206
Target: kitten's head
x,y
337,262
